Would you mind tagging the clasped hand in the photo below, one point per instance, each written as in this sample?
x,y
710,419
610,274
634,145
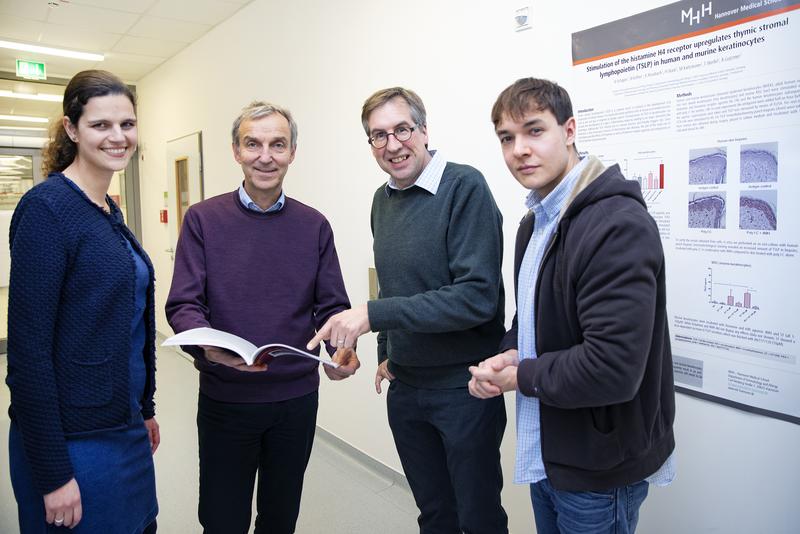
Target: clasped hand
x,y
495,375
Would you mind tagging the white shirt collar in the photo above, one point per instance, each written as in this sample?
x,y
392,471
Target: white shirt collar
x,y
248,203
429,179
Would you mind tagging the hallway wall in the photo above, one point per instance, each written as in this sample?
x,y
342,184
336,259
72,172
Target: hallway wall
x,y
737,472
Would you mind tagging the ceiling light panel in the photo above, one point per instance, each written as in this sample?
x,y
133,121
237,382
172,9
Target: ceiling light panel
x,y
23,118
46,50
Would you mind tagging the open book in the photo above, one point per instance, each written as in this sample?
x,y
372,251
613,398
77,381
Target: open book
x,y
249,352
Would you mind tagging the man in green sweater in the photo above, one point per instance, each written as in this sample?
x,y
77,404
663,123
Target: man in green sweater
x,y
438,254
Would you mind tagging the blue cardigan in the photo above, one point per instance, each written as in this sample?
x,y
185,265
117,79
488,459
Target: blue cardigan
x,y
71,303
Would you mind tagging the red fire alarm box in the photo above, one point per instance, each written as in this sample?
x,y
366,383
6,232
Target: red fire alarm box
x,y
162,216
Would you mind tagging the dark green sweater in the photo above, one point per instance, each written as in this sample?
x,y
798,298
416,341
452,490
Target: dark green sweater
x,y
438,259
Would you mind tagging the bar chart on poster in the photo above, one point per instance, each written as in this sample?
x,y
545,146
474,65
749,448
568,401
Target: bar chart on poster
x,y
729,296
699,103
649,172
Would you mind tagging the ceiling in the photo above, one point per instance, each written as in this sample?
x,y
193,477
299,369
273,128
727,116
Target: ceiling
x,y
27,108
134,35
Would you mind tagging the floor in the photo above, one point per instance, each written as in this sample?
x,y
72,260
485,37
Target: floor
x,y
342,493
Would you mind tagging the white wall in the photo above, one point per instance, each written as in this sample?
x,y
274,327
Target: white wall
x,y
737,472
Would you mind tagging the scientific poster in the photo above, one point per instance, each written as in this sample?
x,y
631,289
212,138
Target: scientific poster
x,y
700,103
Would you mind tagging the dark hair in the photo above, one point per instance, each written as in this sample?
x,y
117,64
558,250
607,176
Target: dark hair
x,y
381,97
532,94
61,150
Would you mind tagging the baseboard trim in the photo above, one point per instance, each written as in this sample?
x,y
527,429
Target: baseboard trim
x,y
362,458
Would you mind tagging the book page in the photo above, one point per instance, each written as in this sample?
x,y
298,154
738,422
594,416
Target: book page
x,y
267,353
215,338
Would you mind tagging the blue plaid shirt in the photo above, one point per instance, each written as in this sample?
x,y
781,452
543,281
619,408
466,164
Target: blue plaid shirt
x,y
530,466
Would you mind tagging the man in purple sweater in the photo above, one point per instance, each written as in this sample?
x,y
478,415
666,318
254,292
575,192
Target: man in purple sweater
x,y
263,266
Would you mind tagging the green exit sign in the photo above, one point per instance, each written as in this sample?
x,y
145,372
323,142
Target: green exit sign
x,y
31,70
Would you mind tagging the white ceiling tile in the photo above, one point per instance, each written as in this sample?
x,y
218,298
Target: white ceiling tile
x,y
93,18
43,34
36,10
130,71
177,30
200,11
18,29
148,47
131,6
66,37
133,58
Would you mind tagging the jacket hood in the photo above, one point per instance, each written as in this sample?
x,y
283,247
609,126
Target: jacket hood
x,y
598,182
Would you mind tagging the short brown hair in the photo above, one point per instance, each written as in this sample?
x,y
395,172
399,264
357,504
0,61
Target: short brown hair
x,y
528,94
381,97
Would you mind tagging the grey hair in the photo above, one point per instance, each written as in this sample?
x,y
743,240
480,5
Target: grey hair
x,y
381,97
259,109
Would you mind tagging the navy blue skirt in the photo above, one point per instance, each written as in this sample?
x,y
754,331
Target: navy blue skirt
x,y
115,475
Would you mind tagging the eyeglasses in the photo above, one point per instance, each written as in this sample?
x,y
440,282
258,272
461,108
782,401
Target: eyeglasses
x,y
401,133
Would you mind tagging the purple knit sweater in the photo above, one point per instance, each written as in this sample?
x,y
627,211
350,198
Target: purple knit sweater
x,y
269,278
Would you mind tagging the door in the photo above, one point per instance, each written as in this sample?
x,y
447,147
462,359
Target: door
x,y
184,180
